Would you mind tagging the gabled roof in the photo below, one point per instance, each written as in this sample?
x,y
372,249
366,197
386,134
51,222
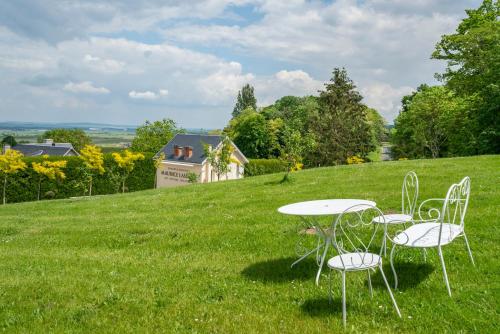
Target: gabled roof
x,y
31,150
196,141
193,140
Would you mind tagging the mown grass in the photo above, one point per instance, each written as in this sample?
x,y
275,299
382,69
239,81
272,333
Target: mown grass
x,y
215,259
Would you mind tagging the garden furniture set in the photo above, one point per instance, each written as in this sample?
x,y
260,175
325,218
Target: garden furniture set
x,y
358,226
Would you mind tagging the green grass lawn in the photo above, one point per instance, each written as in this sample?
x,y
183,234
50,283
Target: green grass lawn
x,y
215,259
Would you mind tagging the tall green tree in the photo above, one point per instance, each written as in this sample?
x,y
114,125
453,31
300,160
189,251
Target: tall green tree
x,y
252,134
152,136
377,123
9,140
246,99
340,125
77,137
433,124
473,71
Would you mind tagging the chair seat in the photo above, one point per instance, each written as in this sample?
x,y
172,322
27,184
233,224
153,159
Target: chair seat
x,y
427,235
354,261
396,218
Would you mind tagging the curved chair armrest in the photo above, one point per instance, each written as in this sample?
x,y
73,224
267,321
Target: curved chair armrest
x,y
433,213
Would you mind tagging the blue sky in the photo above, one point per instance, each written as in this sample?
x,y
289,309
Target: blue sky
x,y
122,62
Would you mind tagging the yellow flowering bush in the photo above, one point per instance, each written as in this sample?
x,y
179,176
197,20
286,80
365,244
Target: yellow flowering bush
x,y
126,163
11,162
49,169
355,160
93,160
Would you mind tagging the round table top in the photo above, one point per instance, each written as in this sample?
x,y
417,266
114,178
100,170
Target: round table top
x,y
323,207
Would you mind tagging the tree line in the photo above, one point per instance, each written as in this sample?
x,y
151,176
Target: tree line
x,y
314,130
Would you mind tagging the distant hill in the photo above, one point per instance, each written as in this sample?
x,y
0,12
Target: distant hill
x,y
20,126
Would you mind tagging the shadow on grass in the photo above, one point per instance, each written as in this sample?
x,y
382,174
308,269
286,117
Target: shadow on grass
x,y
279,270
320,307
410,275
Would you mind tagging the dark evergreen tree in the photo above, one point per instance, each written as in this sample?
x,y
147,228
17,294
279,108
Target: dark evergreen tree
x,y
340,125
246,99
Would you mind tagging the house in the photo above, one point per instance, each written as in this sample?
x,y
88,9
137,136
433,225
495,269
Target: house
x,y
49,147
185,154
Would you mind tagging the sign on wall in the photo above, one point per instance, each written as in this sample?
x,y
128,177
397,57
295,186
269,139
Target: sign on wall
x,y
176,174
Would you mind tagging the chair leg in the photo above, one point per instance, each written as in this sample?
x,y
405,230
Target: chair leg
x,y
389,289
370,283
344,315
440,252
385,243
392,267
468,249
330,298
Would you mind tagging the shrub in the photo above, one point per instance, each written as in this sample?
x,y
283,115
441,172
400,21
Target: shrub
x,y
355,160
264,166
23,186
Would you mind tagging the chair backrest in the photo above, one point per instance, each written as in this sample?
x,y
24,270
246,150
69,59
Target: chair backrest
x,y
456,202
353,232
409,193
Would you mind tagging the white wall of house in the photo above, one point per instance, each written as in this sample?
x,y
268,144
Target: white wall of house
x,y
173,174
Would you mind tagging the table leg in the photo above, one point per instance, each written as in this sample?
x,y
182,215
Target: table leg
x,y
325,252
306,255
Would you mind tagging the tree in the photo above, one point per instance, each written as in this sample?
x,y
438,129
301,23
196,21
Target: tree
x,y
220,159
293,151
377,126
126,164
11,163
250,132
434,124
93,161
246,99
340,125
77,137
50,170
152,136
473,71
9,140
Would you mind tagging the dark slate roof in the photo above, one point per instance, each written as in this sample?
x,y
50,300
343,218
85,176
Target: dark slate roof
x,y
193,140
31,150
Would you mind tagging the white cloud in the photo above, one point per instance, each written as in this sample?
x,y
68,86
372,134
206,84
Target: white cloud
x,y
283,83
148,95
103,65
385,98
85,87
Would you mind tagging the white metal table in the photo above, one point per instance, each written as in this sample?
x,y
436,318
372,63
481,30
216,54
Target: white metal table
x,y
309,212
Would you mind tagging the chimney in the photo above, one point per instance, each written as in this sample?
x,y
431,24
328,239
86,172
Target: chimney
x,y
188,152
49,141
177,151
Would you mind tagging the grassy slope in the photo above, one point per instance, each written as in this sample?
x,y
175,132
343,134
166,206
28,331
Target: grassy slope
x,y
215,258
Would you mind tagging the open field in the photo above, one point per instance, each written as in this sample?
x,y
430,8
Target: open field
x,y
215,258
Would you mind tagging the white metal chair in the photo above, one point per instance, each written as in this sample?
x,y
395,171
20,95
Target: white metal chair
x,y
438,227
353,235
409,196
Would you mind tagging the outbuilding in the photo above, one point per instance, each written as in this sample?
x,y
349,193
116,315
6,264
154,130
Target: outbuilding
x,y
185,154
49,147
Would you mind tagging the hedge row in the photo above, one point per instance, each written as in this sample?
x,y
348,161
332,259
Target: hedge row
x,y
23,186
264,166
